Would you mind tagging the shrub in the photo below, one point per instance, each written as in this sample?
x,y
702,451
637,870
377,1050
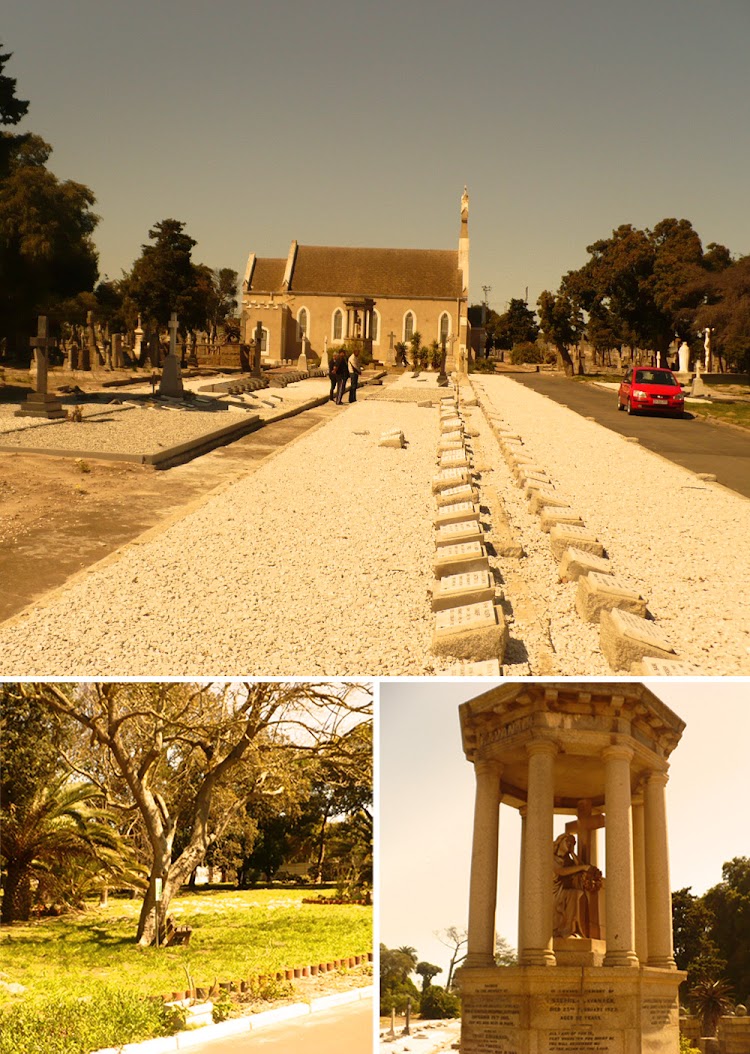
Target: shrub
x,y
686,1047
437,1003
66,1024
525,353
482,366
397,996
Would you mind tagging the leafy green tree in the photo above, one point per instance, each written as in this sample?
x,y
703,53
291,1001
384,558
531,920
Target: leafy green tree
x,y
427,971
175,751
729,905
562,325
396,987
726,310
437,1003
164,279
12,111
47,254
694,948
516,325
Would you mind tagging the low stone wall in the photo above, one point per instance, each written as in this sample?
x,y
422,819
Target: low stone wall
x,y
233,356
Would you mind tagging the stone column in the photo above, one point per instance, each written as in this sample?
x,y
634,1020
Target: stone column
x,y
536,894
658,896
483,884
521,880
619,841
639,878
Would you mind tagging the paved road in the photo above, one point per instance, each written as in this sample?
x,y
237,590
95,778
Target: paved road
x,y
346,1030
687,441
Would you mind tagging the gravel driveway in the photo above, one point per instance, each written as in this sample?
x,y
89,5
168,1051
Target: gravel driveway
x,y
320,562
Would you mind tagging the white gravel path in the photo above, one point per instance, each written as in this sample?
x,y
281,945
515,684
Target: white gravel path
x,y
683,541
319,562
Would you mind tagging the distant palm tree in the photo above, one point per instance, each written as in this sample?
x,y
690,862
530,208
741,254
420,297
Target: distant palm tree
x,y
63,826
711,999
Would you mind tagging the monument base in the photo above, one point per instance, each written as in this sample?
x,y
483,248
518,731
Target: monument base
x,y
569,1010
171,378
40,404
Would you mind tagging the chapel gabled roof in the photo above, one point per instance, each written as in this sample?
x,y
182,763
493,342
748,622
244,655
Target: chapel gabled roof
x,y
267,276
335,270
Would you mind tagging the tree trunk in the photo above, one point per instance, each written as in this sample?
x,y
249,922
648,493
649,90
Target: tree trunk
x,y
17,895
564,360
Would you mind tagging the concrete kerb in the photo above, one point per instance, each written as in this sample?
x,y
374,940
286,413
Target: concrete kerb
x,y
240,1025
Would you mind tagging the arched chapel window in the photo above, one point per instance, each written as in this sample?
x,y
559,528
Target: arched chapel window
x,y
408,326
302,323
338,322
445,327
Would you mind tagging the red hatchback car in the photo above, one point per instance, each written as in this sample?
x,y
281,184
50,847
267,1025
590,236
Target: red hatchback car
x,y
650,388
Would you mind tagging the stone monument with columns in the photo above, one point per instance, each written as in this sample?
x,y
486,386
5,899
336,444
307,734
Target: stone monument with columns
x,y
596,971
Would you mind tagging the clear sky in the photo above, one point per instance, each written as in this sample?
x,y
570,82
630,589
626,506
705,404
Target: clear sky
x,y
427,805
345,122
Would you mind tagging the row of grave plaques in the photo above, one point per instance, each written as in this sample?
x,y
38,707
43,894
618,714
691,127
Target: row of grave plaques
x,y
468,624
629,640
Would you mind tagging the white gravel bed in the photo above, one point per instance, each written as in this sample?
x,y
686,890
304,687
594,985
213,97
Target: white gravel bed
x,y
318,563
139,430
681,540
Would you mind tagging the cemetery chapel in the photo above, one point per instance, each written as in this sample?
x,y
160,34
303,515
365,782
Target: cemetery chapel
x,y
319,296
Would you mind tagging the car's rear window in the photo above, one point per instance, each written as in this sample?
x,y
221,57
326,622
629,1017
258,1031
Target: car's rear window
x,y
656,377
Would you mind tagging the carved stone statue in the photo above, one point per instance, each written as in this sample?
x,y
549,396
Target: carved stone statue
x,y
572,879
707,348
465,204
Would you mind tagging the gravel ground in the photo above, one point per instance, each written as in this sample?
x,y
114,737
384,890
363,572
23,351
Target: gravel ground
x,y
681,540
132,428
319,564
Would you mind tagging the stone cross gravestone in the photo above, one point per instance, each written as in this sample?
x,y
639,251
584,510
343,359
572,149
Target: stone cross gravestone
x,y
40,403
171,384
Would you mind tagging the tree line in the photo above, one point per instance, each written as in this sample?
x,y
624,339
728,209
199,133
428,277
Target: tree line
x,y
133,786
639,289
49,263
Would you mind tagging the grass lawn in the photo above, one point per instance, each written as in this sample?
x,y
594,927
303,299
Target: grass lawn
x,y
735,413
236,934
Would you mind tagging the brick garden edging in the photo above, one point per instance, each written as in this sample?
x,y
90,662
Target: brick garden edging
x,y
257,981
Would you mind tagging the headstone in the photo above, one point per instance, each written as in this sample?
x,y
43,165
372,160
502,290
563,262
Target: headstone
x,y
302,360
449,477
40,403
472,587
117,356
562,537
545,497
171,384
601,592
461,531
459,559
257,344
577,562
476,631
455,494
138,346
625,639
461,510
488,668
454,459
554,514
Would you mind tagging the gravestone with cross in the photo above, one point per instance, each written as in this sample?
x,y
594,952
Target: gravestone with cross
x,y
258,343
171,375
40,403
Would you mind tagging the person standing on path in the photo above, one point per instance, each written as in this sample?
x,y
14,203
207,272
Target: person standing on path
x,y
342,375
332,376
355,369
